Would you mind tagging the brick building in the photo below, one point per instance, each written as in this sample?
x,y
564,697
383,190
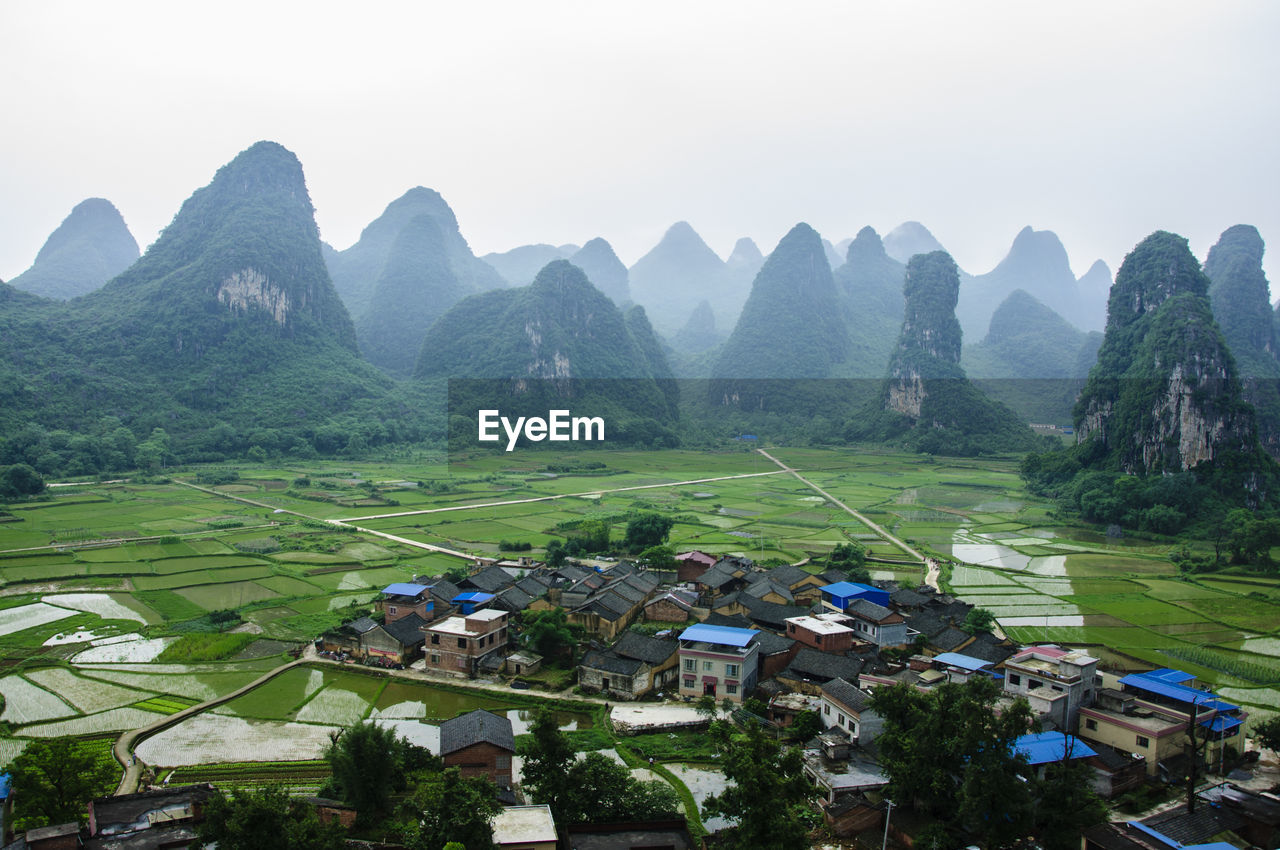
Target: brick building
x,y
459,644
479,743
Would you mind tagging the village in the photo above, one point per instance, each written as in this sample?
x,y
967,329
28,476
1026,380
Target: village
x,y
775,648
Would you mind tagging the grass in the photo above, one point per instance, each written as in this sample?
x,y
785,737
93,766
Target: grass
x,y
204,646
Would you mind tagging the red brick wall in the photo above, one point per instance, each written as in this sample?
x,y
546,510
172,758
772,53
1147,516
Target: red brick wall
x,y
482,759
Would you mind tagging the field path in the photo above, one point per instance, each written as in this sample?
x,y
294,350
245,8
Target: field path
x,y
553,498
123,749
883,532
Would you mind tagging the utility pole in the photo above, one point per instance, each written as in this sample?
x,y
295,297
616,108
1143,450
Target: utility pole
x,y
1195,754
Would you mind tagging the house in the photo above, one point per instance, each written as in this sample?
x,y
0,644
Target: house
x,y
1172,829
524,828
470,601
459,644
691,565
1152,712
829,632
608,610
726,576
1261,814
634,666
838,596
63,836
961,668
1041,749
397,641
846,707
488,580
658,835
805,587
1114,772
404,598
876,624
165,817
810,669
719,661
479,743
674,606
1057,682
347,638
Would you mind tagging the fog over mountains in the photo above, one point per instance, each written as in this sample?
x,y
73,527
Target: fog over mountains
x,y
239,293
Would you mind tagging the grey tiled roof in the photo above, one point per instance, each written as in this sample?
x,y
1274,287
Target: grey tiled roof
x,y
648,649
869,610
362,625
812,664
949,639
840,691
473,728
771,643
609,662
407,630
766,586
788,576
489,580
513,599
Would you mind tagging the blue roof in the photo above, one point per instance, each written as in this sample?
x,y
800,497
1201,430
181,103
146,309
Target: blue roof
x,y
1168,675
1162,685
473,596
1045,747
965,662
5,782
727,635
404,588
847,588
1221,723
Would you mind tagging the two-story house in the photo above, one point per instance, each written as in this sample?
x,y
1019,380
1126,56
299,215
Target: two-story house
x,y
459,644
719,661
1056,681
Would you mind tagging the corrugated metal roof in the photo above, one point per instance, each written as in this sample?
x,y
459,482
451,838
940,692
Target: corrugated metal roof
x,y
1045,747
404,588
473,596
964,662
726,635
1161,686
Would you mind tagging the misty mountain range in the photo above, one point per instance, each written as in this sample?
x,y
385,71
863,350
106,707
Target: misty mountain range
x,y
239,293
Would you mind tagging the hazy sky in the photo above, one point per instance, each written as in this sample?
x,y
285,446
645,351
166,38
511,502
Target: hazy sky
x,y
560,121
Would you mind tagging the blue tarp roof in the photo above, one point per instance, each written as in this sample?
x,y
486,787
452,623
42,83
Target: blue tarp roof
x,y
1162,685
404,588
1169,675
1045,747
727,635
964,662
473,596
1177,845
5,781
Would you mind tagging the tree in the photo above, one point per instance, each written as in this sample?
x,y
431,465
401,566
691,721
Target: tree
x,y
646,530
593,789
446,807
20,480
1066,802
806,725
950,757
265,819
766,793
1268,733
56,779
369,764
547,755
659,558
548,634
978,620
705,705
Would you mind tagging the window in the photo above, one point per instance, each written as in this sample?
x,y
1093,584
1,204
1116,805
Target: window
x,y
818,639
435,659
826,709
690,665
1057,688
708,666
462,643
391,610
731,688
435,639
731,670
1015,679
1143,742
840,719
1033,684
1090,723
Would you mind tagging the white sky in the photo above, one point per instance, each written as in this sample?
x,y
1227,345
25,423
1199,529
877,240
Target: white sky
x,y
560,121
